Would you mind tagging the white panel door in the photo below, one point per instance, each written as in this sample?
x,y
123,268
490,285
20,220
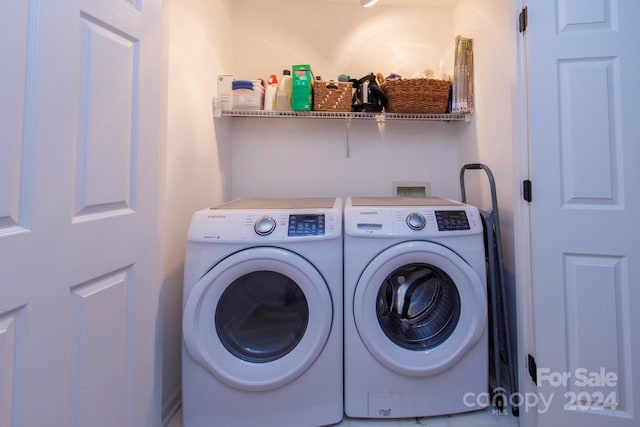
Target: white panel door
x,y
585,169
79,277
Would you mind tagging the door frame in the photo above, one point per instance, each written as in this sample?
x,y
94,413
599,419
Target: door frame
x,y
522,221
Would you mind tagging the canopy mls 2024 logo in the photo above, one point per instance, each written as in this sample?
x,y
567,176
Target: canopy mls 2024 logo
x,y
580,389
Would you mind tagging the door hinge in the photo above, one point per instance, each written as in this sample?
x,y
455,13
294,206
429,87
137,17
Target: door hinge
x,y
533,369
523,20
526,190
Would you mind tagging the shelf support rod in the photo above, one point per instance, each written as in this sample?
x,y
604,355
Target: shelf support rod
x,y
348,125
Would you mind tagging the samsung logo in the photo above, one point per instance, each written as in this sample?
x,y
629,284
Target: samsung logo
x,y
216,216
368,213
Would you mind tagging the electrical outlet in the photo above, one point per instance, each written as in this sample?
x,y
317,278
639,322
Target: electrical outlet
x,y
412,189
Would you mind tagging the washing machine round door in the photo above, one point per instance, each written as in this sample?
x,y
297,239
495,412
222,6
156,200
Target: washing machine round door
x,y
419,307
258,319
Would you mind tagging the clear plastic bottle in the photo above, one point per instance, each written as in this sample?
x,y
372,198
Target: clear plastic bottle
x,y
283,94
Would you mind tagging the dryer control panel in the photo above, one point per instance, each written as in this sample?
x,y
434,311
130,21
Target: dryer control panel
x,y
263,225
306,225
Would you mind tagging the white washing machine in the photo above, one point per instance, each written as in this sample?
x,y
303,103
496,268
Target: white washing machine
x,y
415,307
262,314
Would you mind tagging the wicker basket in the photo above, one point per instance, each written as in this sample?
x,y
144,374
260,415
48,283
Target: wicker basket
x,y
425,96
332,96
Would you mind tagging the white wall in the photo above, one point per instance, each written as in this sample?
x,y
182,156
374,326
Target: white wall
x,y
493,27
197,155
308,157
340,37
298,158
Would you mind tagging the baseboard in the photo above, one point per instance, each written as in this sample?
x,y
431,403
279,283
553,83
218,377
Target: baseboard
x,y
171,406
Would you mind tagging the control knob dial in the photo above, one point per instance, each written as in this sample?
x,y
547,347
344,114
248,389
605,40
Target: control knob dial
x,y
264,226
416,221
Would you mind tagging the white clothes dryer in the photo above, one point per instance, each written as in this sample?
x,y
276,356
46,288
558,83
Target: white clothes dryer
x,y
415,308
262,314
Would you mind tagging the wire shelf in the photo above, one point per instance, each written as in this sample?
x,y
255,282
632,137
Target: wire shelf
x,y
347,115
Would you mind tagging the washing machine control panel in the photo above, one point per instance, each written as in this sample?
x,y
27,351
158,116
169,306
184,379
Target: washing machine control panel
x,y
412,221
452,220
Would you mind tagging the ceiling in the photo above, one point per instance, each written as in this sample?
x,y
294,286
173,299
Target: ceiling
x,y
385,2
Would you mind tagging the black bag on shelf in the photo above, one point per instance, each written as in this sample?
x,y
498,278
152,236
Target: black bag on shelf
x,y
368,95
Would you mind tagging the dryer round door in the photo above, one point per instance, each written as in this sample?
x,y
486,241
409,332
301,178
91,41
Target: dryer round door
x,y
258,319
419,307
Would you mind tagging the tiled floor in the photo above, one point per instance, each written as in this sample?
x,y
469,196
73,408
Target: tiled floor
x,y
472,419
